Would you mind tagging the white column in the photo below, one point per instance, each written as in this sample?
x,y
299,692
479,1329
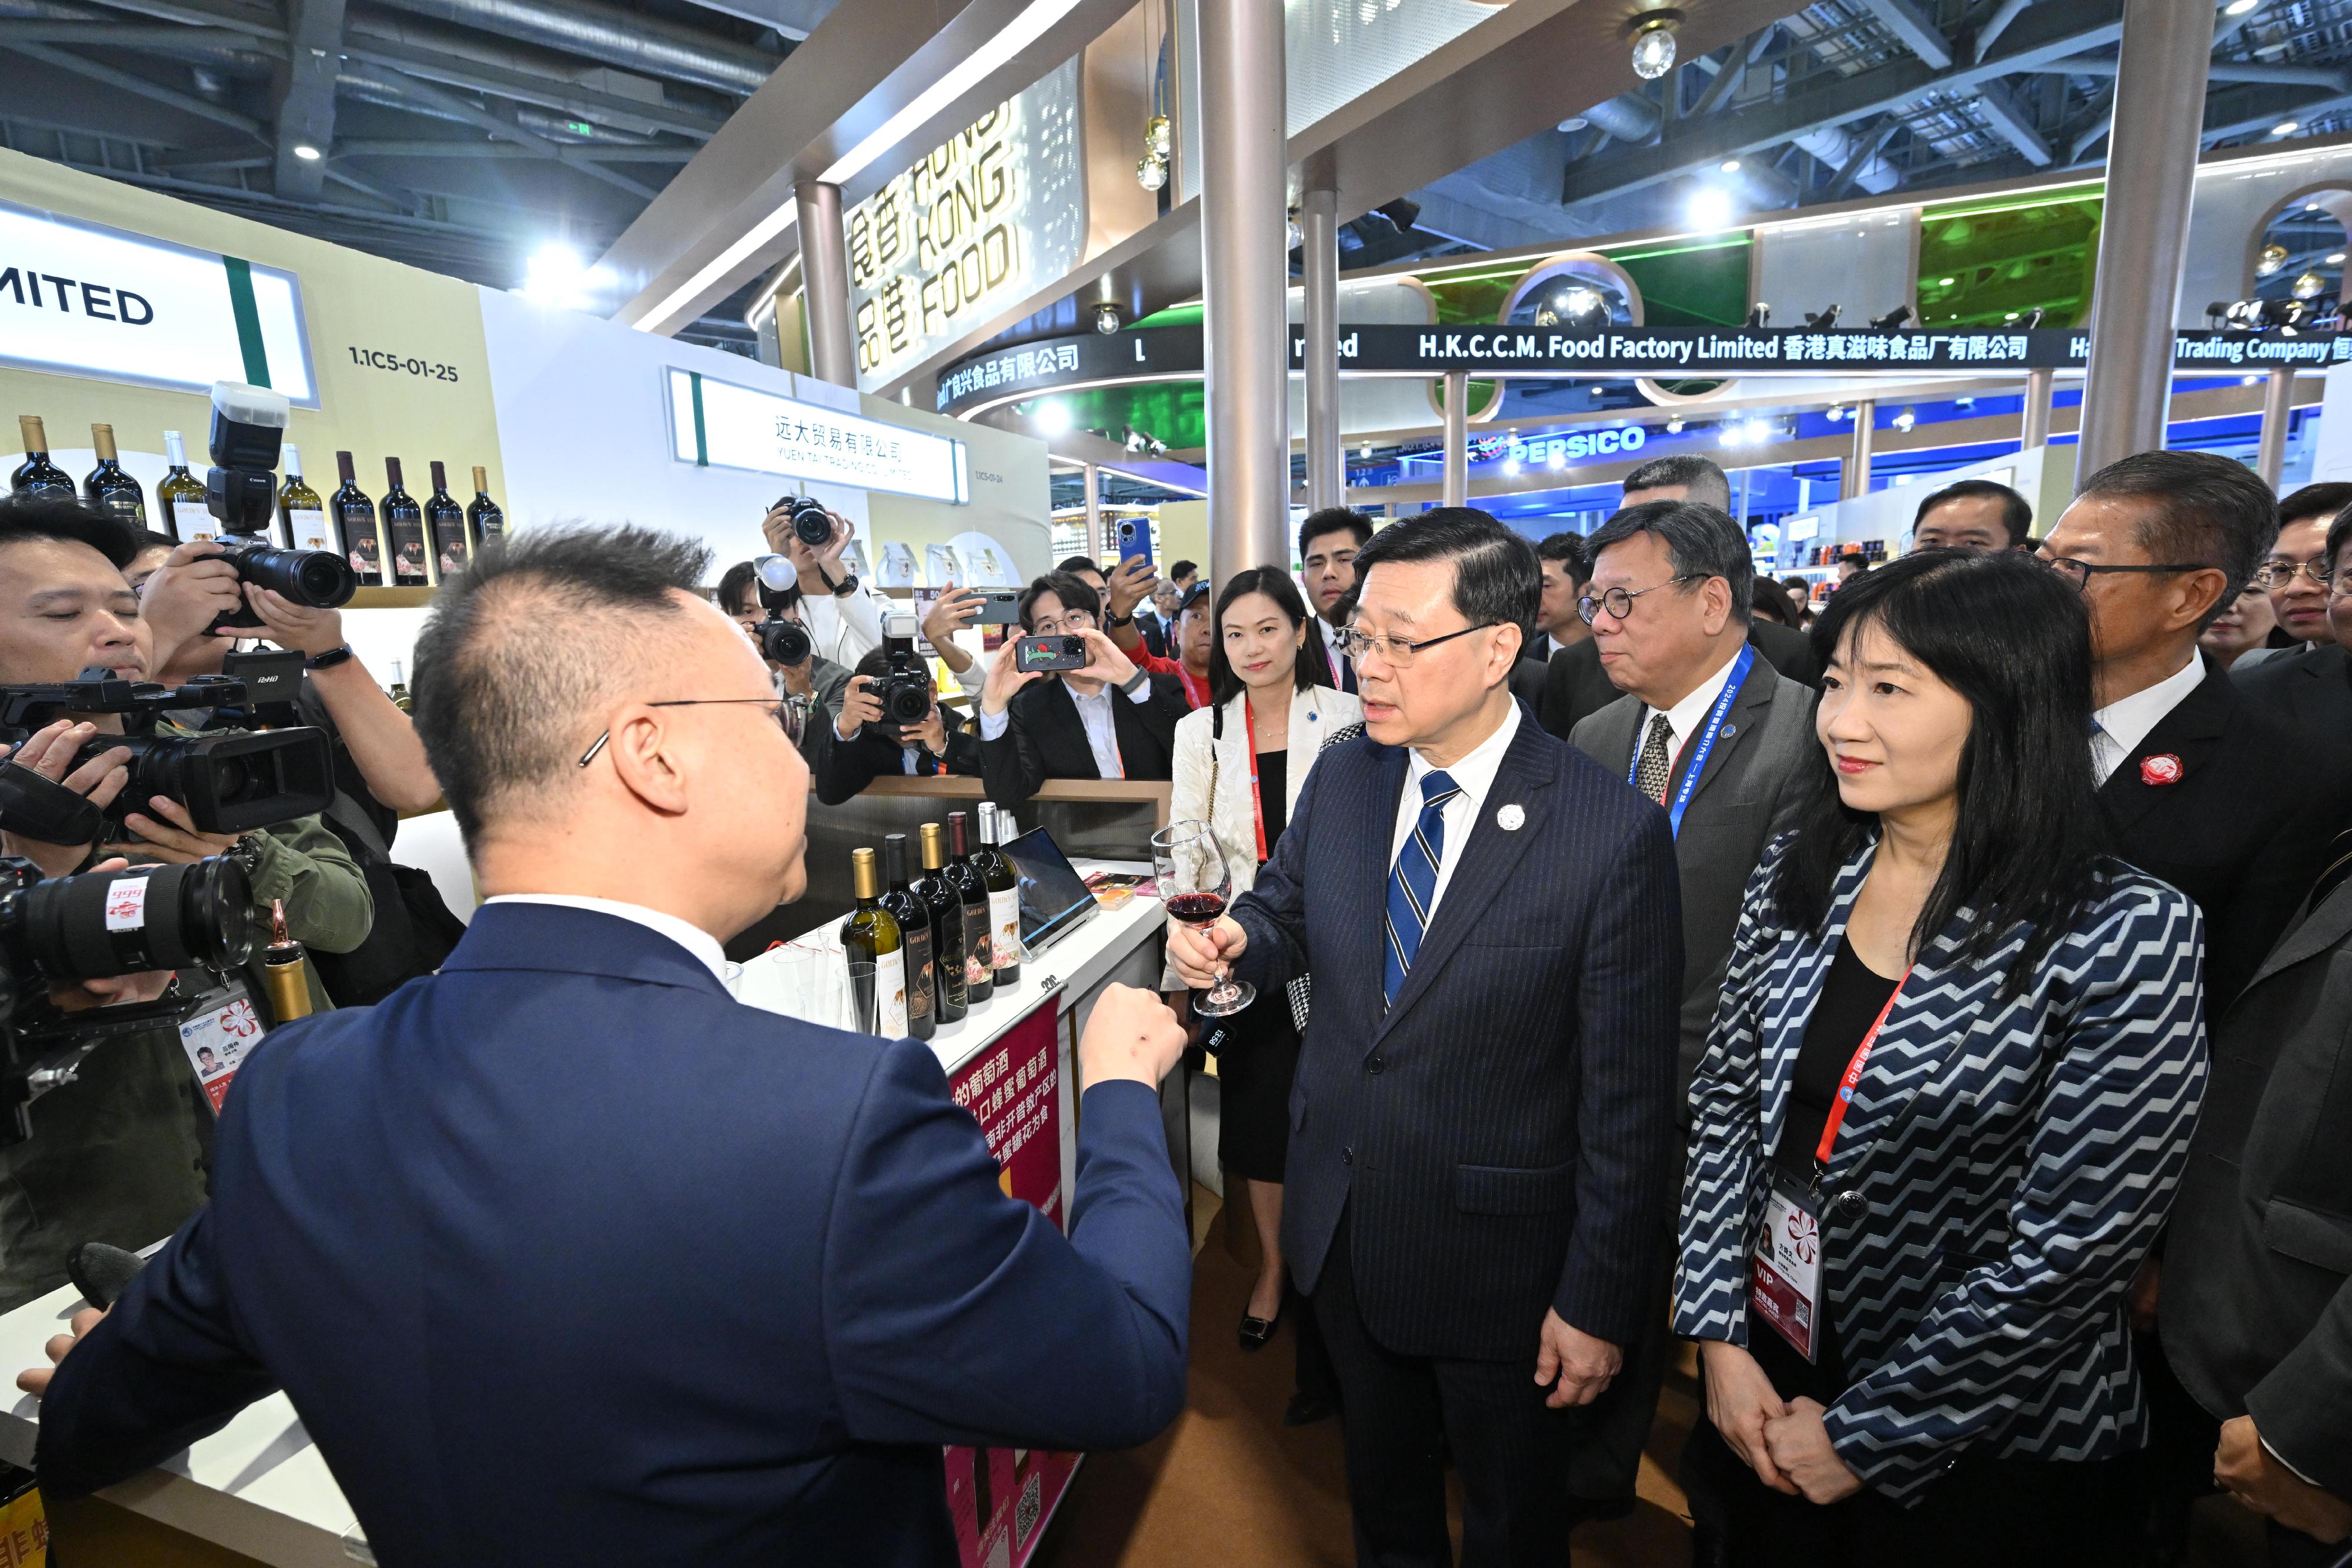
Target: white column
x,y
1457,438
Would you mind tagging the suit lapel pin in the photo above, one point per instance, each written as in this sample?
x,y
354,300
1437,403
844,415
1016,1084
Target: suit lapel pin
x,y
1510,819
1729,730
2163,769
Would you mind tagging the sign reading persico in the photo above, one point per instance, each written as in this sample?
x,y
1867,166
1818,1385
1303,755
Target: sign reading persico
x,y
80,300
718,424
980,221
1168,352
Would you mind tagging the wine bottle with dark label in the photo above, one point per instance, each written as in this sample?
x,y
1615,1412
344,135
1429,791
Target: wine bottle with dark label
x,y
445,524
403,530
979,967
355,526
300,511
109,486
1003,893
940,896
482,515
180,498
914,931
36,475
874,949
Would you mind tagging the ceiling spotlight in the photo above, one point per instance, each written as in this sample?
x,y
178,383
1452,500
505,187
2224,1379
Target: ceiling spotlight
x,y
1365,450
1579,303
1946,282
1733,435
1729,165
1150,173
2310,285
1510,465
1557,460
2286,128
1653,44
1157,139
308,153
1892,322
1964,402
1905,420
1052,416
2239,7
555,274
1673,427
1834,413
1710,208
2274,257
2335,259
1822,320
1107,320
1759,315
1547,316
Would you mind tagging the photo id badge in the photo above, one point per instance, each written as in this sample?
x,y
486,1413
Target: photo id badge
x,y
1786,1291
217,1036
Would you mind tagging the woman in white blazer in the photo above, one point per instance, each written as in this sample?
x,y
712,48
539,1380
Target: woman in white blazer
x,y
1239,765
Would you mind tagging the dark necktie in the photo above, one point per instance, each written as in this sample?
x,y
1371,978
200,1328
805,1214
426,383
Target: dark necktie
x,y
1657,764
1412,882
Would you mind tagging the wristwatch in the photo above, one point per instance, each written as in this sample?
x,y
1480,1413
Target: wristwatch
x,y
330,659
246,854
1133,685
1110,620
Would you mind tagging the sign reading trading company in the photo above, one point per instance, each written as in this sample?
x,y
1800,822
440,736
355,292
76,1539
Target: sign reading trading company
x,y
716,424
79,299
986,219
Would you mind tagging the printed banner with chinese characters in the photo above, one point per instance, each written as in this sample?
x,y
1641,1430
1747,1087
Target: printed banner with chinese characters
x,y
1001,1497
716,424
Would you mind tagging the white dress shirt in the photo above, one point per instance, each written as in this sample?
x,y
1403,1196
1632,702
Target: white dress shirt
x,y
2124,722
1686,718
1475,775
1094,713
693,938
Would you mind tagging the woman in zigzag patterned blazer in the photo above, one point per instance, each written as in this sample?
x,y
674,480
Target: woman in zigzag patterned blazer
x,y
1946,1100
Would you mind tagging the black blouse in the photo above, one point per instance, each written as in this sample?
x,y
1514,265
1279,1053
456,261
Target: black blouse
x,y
1273,794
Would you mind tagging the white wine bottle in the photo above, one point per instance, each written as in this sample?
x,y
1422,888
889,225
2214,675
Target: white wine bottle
x,y
299,510
182,491
874,949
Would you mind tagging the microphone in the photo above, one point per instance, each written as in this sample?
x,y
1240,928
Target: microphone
x,y
101,1274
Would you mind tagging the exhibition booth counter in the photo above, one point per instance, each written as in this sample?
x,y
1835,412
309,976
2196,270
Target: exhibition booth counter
x,y
259,1487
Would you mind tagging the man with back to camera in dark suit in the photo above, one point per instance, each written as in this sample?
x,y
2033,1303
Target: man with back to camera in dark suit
x,y
1106,720
2258,1278
1481,1126
1577,686
1715,734
2313,691
538,1305
1329,541
1974,515
2201,789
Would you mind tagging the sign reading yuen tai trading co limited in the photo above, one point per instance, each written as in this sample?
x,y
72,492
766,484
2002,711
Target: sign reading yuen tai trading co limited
x,y
717,424
81,300
991,215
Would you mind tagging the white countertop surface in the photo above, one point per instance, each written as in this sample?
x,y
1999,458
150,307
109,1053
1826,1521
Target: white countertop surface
x,y
260,1486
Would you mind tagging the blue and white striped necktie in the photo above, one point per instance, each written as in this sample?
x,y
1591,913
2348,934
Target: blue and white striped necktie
x,y
1412,882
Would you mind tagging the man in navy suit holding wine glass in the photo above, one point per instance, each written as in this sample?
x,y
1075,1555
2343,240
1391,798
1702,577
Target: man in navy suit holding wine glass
x,y
1483,1124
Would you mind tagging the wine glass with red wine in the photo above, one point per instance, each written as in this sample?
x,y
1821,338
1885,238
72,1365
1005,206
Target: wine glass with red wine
x,y
1194,885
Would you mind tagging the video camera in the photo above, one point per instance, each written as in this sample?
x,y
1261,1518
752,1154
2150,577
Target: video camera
x,y
241,491
782,641
904,689
230,783
96,926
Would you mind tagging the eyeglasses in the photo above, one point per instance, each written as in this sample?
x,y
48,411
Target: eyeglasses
x,y
1397,651
1619,601
1070,621
2080,572
788,715
2275,575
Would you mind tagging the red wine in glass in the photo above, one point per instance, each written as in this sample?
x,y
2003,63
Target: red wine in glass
x,y
1194,884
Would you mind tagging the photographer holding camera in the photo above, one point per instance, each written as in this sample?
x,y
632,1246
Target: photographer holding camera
x,y
889,723
842,613
1106,719
812,683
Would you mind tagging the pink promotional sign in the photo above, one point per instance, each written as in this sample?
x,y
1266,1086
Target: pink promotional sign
x,y
1001,1498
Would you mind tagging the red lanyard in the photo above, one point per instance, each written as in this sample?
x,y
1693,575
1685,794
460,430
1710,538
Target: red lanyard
x,y
1844,1095
1257,804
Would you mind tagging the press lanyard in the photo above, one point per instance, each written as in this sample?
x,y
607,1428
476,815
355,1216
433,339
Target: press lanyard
x,y
1257,804
1844,1095
1705,743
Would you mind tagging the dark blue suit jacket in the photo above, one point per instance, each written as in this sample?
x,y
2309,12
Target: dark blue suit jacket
x,y
565,1256
1503,1138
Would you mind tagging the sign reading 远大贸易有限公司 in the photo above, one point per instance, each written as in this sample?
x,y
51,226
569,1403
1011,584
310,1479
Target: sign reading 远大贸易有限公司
x,y
81,300
1170,353
718,424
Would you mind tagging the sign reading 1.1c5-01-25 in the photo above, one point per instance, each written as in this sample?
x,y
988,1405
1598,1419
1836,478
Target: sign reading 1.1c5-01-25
x,y
80,300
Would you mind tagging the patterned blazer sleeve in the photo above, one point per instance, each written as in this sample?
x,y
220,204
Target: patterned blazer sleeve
x,y
1723,1184
2107,1150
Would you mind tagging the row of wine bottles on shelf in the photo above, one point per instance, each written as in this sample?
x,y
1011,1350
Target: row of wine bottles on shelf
x,y
424,541
926,952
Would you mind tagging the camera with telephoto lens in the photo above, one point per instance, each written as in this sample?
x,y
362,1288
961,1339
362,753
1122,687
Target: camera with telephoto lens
x,y
904,688
241,491
96,926
231,782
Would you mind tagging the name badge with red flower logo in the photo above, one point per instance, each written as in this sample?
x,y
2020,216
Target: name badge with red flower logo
x,y
2162,770
1785,1280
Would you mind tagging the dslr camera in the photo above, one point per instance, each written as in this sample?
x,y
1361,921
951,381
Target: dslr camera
x,y
811,524
904,688
241,491
230,783
782,642
96,926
